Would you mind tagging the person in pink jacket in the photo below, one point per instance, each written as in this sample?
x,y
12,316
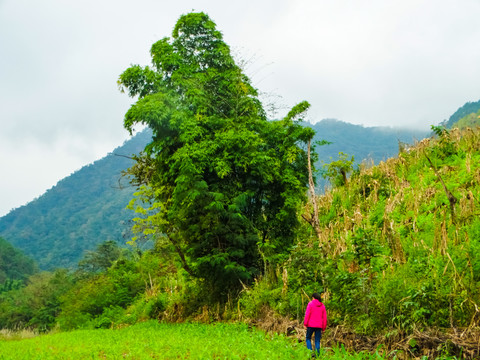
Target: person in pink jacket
x,y
315,321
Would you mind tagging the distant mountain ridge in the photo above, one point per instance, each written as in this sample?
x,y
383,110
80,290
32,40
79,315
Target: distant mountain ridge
x,y
89,206
365,143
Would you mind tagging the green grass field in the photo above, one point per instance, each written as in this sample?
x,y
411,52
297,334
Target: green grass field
x,y
153,340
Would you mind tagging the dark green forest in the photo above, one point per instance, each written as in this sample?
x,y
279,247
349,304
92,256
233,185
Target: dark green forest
x,y
239,230
14,266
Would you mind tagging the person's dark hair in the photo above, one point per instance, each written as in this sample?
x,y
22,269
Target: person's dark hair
x,y
317,296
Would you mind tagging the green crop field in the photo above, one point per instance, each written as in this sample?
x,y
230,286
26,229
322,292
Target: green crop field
x,y
153,340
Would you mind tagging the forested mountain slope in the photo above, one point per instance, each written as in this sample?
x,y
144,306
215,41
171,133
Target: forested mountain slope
x,y
465,110
469,121
88,207
364,143
81,211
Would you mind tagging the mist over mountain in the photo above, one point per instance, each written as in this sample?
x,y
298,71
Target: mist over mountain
x,y
365,143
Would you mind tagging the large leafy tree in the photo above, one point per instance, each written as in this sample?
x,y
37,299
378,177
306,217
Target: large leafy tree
x,y
224,184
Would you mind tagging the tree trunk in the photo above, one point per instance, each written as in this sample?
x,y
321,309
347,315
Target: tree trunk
x,y
314,221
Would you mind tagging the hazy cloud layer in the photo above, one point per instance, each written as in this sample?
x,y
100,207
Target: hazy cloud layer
x,y
393,63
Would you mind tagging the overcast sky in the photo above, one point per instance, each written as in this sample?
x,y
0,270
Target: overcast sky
x,y
399,63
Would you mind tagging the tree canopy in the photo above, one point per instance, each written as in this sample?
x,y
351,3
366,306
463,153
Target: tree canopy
x,y
14,264
224,183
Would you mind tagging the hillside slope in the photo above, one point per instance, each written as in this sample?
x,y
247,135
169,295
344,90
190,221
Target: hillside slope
x,y
465,110
399,245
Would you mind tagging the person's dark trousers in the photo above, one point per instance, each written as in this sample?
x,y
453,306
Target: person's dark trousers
x,y
318,336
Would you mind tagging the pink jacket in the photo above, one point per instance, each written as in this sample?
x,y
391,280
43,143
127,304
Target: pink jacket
x,y
316,315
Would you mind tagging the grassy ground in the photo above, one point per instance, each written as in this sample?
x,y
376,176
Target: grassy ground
x,y
152,340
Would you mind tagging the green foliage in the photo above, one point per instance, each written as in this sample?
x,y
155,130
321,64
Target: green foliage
x,y
470,121
101,259
374,183
393,255
264,295
99,300
446,146
135,287
14,266
337,171
225,184
36,305
9,285
390,256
